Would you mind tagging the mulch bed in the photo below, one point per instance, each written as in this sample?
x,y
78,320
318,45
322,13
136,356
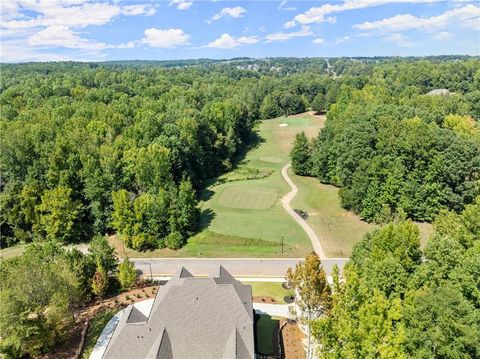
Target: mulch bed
x,y
264,299
291,339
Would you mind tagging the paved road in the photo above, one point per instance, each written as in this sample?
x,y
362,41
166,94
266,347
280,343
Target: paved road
x,y
286,204
239,267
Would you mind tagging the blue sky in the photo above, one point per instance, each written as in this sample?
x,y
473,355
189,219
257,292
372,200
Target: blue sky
x,y
83,30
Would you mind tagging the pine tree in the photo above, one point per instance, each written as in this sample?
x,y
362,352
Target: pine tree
x,y
300,155
127,274
100,281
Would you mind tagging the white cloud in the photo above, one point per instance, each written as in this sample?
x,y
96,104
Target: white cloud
x,y
331,19
227,41
235,12
283,6
141,9
9,10
168,38
71,16
62,36
319,14
282,36
18,51
468,16
128,45
181,4
443,36
73,13
399,39
47,24
318,41
340,40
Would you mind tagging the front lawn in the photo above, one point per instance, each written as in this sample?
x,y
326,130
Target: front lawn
x,y
267,289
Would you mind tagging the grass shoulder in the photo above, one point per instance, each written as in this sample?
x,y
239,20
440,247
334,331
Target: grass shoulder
x,y
95,328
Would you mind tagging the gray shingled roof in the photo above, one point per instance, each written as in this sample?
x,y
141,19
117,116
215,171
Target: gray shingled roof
x,y
190,318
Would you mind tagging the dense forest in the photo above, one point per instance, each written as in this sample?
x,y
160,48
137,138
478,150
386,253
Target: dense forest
x,y
395,300
394,149
93,148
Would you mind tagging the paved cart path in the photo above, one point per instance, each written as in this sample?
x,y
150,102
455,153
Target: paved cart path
x,y
286,204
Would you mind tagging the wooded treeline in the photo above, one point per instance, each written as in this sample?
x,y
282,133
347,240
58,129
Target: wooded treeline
x,y
42,289
395,300
393,149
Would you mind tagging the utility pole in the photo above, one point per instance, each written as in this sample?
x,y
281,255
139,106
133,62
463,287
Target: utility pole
x,y
282,243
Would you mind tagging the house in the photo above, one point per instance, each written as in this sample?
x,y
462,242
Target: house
x,y
190,318
439,92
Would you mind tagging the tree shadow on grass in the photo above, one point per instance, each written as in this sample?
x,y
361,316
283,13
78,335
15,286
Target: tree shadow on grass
x,y
206,217
253,142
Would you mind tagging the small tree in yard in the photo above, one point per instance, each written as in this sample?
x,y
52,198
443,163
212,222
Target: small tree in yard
x,y
100,281
127,274
313,294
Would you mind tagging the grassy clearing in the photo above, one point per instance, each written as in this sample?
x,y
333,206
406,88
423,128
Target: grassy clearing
x,y
267,289
12,251
337,228
18,249
251,209
95,329
247,197
266,327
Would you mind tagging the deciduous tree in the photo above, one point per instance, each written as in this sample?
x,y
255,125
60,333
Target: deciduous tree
x,y
313,293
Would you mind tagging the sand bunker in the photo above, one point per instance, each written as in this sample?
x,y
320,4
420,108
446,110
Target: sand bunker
x,y
283,125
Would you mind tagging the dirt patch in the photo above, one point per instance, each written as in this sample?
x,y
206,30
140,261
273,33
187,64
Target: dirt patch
x,y
291,340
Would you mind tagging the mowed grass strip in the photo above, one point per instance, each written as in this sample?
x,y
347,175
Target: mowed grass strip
x,y
209,244
247,197
337,228
95,329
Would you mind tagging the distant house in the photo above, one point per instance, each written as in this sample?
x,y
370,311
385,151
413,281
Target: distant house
x,y
190,318
439,92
